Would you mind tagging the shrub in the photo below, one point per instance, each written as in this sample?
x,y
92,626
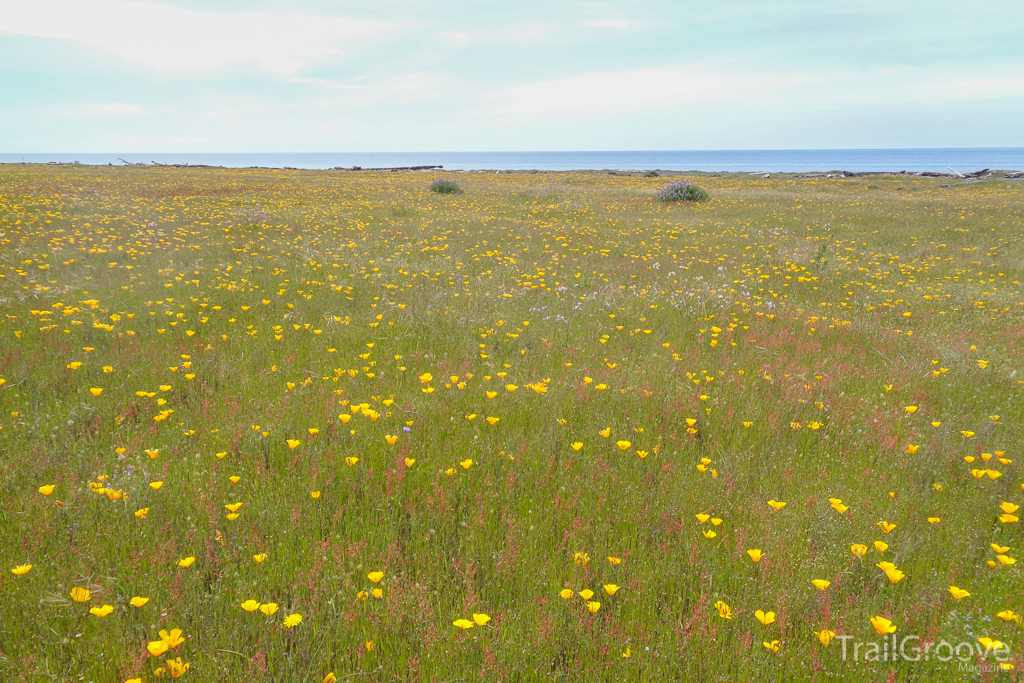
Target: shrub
x,y
651,174
681,191
443,186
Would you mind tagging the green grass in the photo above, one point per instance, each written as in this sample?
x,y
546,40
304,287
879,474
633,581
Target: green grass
x,y
254,296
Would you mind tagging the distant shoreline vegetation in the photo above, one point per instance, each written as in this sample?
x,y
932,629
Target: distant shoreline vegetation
x,y
935,160
982,174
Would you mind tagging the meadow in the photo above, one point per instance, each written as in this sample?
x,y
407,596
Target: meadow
x,y
266,425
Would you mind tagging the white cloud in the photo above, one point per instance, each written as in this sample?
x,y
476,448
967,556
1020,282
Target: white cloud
x,y
636,89
737,87
96,110
171,38
614,24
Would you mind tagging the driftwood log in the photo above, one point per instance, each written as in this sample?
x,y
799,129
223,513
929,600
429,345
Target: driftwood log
x,y
393,168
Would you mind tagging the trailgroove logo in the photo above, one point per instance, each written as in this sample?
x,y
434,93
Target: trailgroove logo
x,y
992,653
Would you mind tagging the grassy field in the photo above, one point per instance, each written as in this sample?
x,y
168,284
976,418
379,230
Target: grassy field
x,y
552,410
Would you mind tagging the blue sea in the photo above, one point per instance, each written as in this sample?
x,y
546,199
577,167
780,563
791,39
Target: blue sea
x,y
761,160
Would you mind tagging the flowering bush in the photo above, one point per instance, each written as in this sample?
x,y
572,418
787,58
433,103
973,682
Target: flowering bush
x,y
681,191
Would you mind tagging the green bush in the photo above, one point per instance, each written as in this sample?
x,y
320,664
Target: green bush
x,y
443,186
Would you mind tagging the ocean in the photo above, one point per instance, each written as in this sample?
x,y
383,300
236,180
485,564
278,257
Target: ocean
x,y
765,161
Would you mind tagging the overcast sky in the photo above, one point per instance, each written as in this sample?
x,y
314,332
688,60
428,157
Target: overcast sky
x,y
458,75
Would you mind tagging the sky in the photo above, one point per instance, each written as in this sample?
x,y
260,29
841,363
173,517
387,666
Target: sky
x,y
464,75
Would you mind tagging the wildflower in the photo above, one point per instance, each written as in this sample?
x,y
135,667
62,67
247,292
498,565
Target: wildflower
x,y
1000,549
173,637
47,490
776,505
765,617
375,577
79,594
186,562
426,377
463,624
157,647
623,445
723,610
586,593
330,678
772,645
577,445
481,619
466,464
858,549
755,554
821,584
610,588
351,461
259,558
882,625
96,391
881,546
990,644
566,593
176,667
101,611
314,494
581,558
292,443
1008,615
606,432
708,533
377,593
593,607
885,526
155,485
292,620
138,601
614,560
825,636
958,593
251,605
493,420
894,575
269,608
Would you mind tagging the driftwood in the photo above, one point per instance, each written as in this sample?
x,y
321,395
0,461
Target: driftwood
x,y
395,168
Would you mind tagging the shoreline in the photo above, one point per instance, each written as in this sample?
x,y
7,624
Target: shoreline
x,y
982,174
